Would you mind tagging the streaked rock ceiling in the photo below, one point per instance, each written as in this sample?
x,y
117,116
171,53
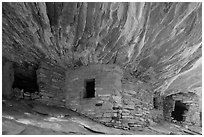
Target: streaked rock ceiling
x,y
154,42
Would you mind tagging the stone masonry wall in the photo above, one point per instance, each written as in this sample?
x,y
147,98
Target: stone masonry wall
x,y
106,105
7,77
193,113
192,116
117,103
50,79
122,105
168,107
157,112
137,103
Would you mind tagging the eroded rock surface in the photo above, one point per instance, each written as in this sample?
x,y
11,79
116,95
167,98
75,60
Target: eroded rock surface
x,y
155,41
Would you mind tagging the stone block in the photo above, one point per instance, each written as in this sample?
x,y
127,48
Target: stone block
x,y
105,98
107,105
90,113
45,97
104,95
152,123
138,114
99,103
27,97
137,128
130,107
115,114
103,119
110,124
117,107
146,109
126,120
117,98
129,116
132,92
126,111
125,114
142,119
19,94
47,94
34,96
27,94
107,114
131,124
127,101
98,115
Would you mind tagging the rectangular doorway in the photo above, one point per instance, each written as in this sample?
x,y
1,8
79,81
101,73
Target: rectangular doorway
x,y
89,88
179,110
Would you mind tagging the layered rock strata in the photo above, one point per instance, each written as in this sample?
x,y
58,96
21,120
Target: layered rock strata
x,y
155,41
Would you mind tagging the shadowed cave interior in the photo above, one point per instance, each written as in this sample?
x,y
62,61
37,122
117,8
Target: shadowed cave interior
x,y
179,111
25,78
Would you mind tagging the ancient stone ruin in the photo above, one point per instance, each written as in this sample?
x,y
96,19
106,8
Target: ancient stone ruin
x,y
129,68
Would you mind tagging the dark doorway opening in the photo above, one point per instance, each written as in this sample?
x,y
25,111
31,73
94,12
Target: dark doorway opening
x,y
155,103
89,88
25,78
179,111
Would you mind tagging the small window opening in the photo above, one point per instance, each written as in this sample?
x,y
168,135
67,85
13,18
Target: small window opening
x,y
89,88
155,103
179,111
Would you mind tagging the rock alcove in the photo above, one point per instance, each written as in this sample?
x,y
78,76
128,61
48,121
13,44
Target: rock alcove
x,y
125,65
